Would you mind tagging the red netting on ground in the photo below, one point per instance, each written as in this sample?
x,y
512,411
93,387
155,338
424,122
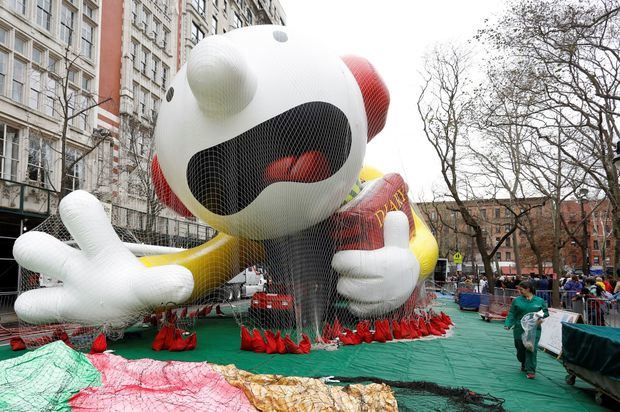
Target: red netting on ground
x,y
146,384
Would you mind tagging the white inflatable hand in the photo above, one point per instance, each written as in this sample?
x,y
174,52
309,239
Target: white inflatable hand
x,y
379,281
103,282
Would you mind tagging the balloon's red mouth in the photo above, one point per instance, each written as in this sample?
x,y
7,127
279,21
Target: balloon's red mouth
x,y
306,144
308,168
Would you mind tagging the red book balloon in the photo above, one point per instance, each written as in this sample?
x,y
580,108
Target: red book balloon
x,y
257,342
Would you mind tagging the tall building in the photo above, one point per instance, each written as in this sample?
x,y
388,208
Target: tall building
x,y
58,59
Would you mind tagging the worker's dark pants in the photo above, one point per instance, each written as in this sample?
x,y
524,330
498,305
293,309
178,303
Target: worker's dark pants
x,y
527,358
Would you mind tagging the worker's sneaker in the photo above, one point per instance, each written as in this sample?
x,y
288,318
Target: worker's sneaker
x,y
531,376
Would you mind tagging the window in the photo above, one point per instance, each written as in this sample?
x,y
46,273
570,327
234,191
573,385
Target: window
x,y
507,212
596,260
89,11
507,242
35,89
135,55
507,228
508,256
37,56
52,63
72,75
19,73
4,61
20,45
237,22
44,13
154,69
607,244
214,25
9,152
199,5
250,17
75,169
86,82
498,256
39,160
156,104
3,33
497,229
50,97
18,5
66,25
497,215
483,213
87,39
433,215
144,58
164,75
215,4
134,11
166,39
197,33
595,245
143,101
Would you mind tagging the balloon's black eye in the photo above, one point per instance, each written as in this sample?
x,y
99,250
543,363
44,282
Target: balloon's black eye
x,y
280,36
169,94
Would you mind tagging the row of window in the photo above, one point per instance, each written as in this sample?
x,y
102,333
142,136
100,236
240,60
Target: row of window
x,y
152,26
35,81
44,15
145,103
149,64
40,161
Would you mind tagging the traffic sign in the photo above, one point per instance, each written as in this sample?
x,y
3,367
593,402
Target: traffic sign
x,y
458,258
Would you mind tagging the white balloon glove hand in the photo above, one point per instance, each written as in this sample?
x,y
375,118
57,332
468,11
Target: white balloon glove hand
x,y
103,282
379,281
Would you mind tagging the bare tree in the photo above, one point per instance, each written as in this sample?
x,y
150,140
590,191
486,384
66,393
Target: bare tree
x,y
138,148
446,108
69,105
572,50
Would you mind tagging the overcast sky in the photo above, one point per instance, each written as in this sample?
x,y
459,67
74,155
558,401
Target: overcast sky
x,y
394,35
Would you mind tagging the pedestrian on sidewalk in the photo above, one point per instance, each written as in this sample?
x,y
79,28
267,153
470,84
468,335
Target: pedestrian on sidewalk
x,y
526,303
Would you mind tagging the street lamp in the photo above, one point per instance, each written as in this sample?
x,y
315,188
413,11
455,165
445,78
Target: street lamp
x,y
582,196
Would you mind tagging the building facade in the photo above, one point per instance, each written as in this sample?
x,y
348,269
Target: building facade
x,y
585,234
101,68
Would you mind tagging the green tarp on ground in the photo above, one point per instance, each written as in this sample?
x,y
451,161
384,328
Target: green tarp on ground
x,y
479,356
45,379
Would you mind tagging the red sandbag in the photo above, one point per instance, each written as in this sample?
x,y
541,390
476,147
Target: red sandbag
x,y
380,333
414,331
280,343
99,344
388,331
304,345
327,333
291,347
17,343
204,312
433,331
192,341
359,223
272,343
349,338
363,331
193,314
337,329
163,340
405,329
397,330
218,311
447,318
257,342
422,327
246,339
183,313
179,344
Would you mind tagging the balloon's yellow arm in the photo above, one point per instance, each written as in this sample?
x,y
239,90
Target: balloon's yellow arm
x,y
424,246
214,262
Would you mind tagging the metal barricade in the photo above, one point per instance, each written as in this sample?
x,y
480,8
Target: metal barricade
x,y
601,312
495,307
7,312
